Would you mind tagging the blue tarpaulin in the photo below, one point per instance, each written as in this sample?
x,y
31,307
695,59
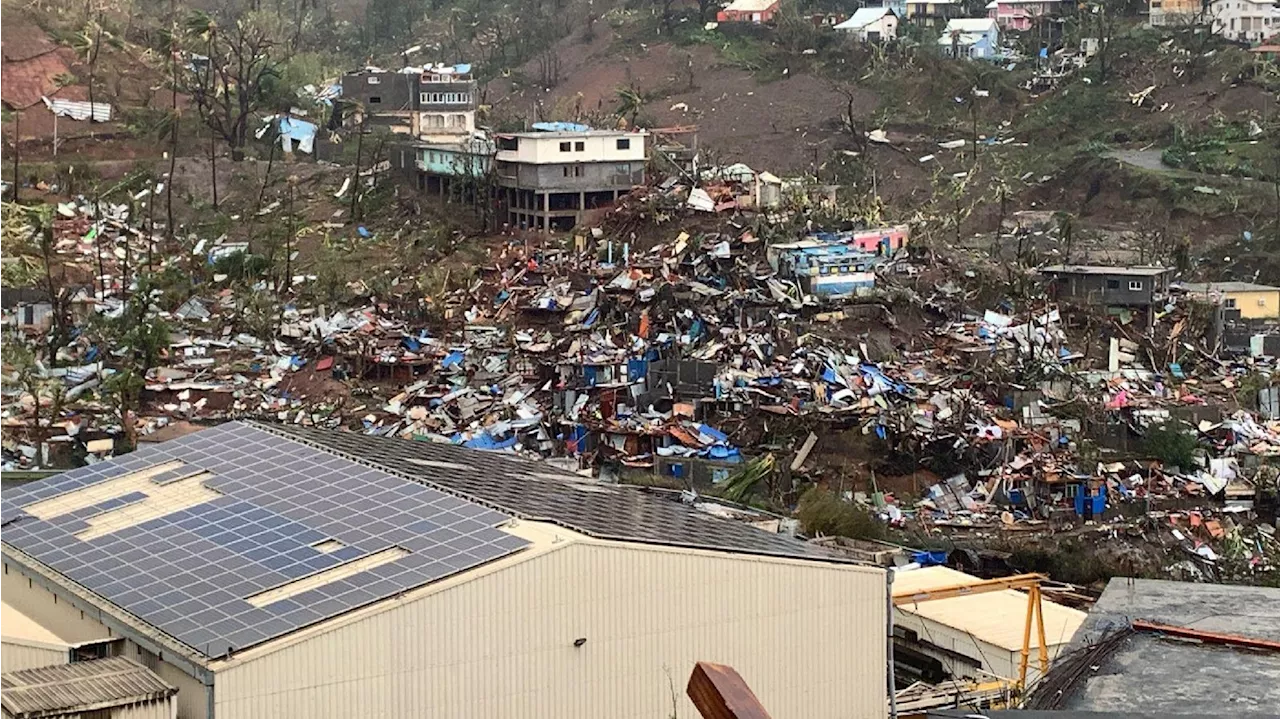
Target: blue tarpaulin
x,y
560,127
713,433
453,360
637,369
929,559
484,441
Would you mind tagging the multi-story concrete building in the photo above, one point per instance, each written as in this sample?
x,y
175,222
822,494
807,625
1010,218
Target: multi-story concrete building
x,y
1250,21
433,104
550,177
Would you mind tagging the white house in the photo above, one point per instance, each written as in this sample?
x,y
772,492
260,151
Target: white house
x,y
872,24
1250,21
973,38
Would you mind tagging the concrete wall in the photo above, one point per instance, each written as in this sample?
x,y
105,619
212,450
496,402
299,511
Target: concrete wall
x,y
1256,305
547,148
393,91
579,177
47,610
808,637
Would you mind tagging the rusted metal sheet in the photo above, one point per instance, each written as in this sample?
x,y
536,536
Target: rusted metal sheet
x,y
1207,637
719,692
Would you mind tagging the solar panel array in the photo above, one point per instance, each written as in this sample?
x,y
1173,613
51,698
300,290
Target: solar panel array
x,y
538,491
190,572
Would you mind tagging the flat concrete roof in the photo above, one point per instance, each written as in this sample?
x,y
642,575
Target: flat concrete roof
x,y
1151,673
1225,287
1103,270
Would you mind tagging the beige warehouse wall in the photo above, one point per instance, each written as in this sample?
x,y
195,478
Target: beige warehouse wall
x,y
808,637
60,617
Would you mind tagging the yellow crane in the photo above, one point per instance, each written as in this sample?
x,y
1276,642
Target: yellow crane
x,y
1035,610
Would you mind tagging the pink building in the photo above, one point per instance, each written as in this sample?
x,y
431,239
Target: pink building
x,y
752,11
1019,14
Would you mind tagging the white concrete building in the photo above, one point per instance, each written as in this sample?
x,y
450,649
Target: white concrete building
x,y
1250,21
291,572
553,176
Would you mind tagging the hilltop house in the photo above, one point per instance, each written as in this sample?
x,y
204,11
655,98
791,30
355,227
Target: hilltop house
x,y
1251,21
1020,14
1244,300
752,11
871,24
973,38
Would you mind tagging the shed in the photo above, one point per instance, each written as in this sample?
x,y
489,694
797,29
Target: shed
x,y
977,634
872,24
115,688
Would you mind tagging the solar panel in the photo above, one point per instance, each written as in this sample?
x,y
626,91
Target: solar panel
x,y
190,571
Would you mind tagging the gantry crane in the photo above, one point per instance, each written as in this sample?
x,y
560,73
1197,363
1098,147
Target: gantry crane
x,y
1035,610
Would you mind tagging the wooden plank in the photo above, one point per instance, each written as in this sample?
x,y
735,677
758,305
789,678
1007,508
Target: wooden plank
x,y
719,692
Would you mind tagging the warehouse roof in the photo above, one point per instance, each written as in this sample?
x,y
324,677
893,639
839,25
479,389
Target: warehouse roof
x,y
228,537
79,687
991,617
235,535
537,491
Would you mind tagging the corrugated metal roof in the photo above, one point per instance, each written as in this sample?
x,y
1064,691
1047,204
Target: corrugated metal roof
x,y
83,686
997,618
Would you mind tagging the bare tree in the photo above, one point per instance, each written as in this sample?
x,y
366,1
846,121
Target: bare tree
x,y
230,87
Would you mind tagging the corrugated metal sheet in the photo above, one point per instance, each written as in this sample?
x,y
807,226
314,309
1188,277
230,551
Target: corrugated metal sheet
x,y
15,655
79,110
807,636
997,618
82,686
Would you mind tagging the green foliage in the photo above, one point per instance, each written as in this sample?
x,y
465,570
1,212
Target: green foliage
x,y
1170,444
242,267
822,512
738,485
392,19
1224,148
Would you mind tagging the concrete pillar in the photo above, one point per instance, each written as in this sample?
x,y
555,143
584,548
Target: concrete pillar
x,y
582,201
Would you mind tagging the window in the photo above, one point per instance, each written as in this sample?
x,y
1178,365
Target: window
x,y
1113,284
573,170
579,146
375,80
564,147
375,99
624,144
1135,285
577,170
444,98
1262,301
1230,303
508,143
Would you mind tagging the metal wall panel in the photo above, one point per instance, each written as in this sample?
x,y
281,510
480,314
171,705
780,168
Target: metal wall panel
x,y
808,637
19,655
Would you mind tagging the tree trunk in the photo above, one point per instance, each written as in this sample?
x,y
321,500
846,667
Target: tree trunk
x,y
213,166
355,175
